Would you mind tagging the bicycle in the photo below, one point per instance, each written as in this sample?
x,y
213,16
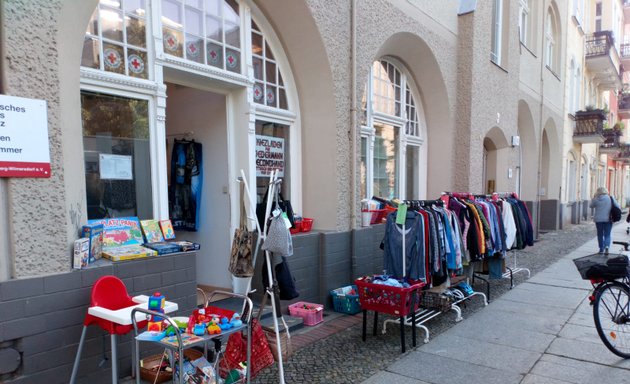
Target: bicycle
x,y
610,277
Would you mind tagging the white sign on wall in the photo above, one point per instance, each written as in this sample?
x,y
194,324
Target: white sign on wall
x,y
24,145
115,167
269,155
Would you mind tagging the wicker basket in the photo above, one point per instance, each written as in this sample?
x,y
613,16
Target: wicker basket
x,y
434,300
149,366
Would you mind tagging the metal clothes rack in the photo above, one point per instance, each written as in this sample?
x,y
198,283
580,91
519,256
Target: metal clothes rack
x,y
422,315
511,270
272,290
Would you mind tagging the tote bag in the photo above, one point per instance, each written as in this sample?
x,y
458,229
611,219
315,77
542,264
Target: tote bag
x,y
236,351
241,256
615,211
279,201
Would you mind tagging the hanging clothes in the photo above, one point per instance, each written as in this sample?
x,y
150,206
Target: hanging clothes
x,y
413,247
186,183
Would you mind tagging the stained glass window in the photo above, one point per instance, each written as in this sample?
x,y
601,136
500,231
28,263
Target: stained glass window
x,y
269,87
115,39
206,32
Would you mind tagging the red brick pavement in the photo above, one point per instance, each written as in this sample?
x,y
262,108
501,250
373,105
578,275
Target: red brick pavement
x,y
311,334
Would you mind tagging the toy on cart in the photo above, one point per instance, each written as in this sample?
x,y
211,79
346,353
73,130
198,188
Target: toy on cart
x,y
156,304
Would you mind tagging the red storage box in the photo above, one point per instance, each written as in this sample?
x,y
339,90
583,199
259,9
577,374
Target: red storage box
x,y
297,227
312,314
387,299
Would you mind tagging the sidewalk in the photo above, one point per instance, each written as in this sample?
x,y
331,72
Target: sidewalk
x,y
541,332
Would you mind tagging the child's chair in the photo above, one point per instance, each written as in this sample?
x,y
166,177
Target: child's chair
x,y
108,292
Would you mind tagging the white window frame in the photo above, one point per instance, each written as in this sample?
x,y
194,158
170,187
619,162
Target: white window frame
x,y
550,40
497,32
523,21
404,139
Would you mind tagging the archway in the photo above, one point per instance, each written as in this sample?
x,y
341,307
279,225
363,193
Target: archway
x,y
528,153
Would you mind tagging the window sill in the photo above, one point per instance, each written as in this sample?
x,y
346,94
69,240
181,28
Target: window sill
x,y
553,72
498,66
528,50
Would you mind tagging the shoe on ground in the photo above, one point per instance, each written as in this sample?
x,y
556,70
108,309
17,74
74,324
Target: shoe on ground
x,y
605,251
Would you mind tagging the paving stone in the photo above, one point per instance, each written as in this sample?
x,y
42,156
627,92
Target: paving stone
x,y
392,378
579,372
535,379
588,352
580,332
546,295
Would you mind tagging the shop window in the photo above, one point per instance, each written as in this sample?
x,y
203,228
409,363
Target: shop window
x,y
272,152
117,156
116,38
205,32
269,88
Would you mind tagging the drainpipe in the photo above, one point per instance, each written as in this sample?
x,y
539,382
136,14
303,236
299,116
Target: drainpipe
x,y
540,146
6,262
353,110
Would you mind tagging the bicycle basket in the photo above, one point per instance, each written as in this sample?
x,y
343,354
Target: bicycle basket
x,y
601,266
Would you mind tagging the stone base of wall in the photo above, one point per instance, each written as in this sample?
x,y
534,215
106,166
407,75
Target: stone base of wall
x,y
41,318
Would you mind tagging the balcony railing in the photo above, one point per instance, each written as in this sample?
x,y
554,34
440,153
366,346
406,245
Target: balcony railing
x,y
589,126
623,106
599,43
611,144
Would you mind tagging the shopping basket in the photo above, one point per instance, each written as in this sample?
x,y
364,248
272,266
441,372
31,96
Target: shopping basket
x,y
396,301
602,266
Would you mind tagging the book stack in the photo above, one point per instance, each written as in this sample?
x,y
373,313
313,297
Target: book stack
x,y
157,233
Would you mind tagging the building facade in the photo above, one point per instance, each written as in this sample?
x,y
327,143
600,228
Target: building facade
x,y
397,99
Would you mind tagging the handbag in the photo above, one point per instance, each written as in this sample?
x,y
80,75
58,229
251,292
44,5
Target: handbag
x,y
279,201
241,264
236,351
278,239
270,333
615,211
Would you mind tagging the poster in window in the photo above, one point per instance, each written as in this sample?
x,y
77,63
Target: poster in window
x,y
115,167
269,155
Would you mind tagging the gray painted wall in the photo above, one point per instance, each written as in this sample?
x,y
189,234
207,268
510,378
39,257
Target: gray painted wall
x,y
41,318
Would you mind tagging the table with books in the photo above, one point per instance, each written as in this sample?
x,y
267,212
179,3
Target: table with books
x,y
182,339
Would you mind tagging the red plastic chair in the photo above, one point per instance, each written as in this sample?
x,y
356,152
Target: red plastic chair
x,y
107,292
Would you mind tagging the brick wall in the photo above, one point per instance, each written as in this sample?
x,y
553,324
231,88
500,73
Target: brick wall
x,y
41,318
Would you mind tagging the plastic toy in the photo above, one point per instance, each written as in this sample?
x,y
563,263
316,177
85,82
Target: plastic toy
x,y
213,329
154,326
199,329
156,304
236,320
225,324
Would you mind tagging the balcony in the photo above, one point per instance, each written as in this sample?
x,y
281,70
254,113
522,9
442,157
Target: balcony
x,y
623,106
624,154
589,126
611,144
602,59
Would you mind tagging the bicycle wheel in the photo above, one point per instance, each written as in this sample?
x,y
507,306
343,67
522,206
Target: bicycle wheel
x,y
611,311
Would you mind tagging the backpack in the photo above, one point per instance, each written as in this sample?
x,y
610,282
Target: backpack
x,y
615,211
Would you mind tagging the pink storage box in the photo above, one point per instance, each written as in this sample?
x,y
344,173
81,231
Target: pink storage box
x,y
312,314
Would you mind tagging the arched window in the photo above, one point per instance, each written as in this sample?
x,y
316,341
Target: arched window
x,y
551,34
391,146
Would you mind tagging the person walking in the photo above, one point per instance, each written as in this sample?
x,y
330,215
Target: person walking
x,y
602,203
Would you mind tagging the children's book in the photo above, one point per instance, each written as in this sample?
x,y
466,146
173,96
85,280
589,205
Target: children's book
x,y
127,252
167,229
94,232
164,247
152,231
81,253
120,231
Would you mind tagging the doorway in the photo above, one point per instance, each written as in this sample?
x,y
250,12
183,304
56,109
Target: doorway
x,y
199,115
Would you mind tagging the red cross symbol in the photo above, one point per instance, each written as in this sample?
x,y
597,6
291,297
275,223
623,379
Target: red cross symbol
x,y
136,64
257,92
192,48
171,42
112,58
213,54
270,95
230,59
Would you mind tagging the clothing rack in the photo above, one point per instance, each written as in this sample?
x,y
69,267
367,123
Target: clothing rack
x,y
271,290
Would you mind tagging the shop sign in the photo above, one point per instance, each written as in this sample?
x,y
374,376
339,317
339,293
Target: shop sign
x,y
24,146
269,155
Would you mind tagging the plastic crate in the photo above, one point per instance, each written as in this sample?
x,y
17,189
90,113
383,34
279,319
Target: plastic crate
x,y
387,299
312,314
296,228
346,302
